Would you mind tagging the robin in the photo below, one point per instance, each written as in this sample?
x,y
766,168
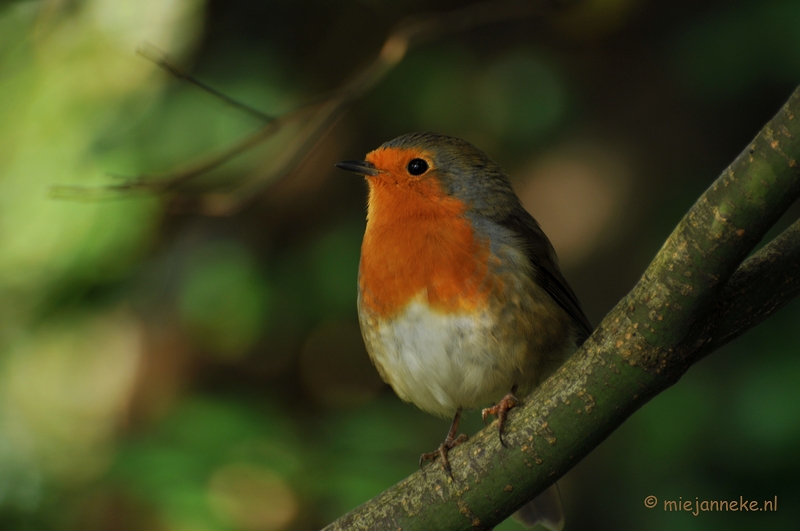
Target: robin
x,y
460,297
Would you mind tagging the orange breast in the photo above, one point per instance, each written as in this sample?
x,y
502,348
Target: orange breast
x,y
418,241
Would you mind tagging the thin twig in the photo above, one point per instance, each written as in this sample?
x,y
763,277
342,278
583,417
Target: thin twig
x,y
321,113
162,60
170,181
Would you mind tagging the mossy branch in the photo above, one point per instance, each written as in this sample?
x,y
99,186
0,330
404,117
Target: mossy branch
x,y
697,294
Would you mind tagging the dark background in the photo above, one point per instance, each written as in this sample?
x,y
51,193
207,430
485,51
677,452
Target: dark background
x,y
166,369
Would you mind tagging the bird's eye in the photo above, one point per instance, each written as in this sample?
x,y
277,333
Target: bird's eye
x,y
417,167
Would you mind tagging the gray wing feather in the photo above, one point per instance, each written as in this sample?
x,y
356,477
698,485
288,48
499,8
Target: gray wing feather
x,y
540,252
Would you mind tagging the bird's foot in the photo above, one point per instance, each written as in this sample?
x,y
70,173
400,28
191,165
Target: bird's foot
x,y
449,443
501,409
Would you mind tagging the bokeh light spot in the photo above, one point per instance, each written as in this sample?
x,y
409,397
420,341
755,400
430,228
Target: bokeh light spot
x,y
576,193
520,98
225,300
251,498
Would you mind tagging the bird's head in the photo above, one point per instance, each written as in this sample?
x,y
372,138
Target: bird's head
x,y
426,171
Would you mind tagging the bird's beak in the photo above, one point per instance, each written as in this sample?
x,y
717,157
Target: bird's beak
x,y
359,166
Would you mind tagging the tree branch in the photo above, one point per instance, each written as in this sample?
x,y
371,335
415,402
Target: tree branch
x,y
761,286
695,296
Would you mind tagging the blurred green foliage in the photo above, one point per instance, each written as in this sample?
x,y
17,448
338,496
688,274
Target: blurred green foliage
x,y
741,48
514,98
172,465
225,302
165,370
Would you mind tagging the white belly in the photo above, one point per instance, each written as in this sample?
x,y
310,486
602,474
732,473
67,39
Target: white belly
x,y
441,362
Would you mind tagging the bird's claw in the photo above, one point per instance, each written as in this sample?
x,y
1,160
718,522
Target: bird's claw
x,y
501,409
448,444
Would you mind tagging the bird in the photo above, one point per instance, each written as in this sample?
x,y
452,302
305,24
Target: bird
x,y
461,300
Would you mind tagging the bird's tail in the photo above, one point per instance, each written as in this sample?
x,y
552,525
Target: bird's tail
x,y
544,510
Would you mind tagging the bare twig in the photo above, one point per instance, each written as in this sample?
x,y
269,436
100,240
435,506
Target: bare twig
x,y
320,114
169,181
162,60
